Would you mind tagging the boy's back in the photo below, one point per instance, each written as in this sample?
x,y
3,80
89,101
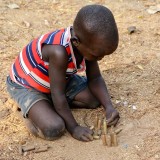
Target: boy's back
x,y
30,70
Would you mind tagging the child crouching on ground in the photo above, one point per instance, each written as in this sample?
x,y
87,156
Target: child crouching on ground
x,y
43,79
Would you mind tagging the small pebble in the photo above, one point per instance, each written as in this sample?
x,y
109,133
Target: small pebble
x,y
125,146
156,156
13,6
125,103
131,29
91,128
134,107
96,137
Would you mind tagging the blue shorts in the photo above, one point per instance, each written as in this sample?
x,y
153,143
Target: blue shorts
x,y
27,97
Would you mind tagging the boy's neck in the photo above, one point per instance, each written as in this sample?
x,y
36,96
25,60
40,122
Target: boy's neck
x,y
77,55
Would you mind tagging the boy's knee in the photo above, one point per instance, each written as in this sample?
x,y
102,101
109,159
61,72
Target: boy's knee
x,y
95,104
52,132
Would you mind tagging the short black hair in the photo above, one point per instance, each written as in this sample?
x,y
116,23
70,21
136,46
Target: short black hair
x,y
97,20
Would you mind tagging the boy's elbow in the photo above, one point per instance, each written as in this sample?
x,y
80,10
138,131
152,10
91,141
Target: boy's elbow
x,y
96,79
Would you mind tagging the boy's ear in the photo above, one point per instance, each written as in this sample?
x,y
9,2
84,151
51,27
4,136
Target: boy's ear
x,y
75,41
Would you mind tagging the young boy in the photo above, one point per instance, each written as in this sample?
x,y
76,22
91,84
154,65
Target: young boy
x,y
43,78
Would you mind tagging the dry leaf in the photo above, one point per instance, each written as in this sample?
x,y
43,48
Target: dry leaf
x,y
140,67
55,2
13,6
27,24
153,9
46,23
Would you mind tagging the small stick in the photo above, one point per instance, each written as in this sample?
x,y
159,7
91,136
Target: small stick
x,y
96,122
14,108
96,137
114,140
108,140
20,150
103,137
91,127
99,132
117,131
41,149
28,148
112,130
104,126
95,133
112,136
99,124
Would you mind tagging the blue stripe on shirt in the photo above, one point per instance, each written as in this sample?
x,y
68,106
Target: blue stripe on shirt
x,y
50,38
30,55
42,69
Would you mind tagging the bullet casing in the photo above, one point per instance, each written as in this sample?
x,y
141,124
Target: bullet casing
x,y
103,137
108,140
104,126
114,139
99,124
99,132
96,122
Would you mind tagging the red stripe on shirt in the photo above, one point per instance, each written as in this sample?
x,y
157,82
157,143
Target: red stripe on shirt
x,y
57,37
25,59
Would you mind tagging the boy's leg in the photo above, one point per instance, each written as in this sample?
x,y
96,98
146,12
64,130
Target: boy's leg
x,y
38,110
79,95
44,122
85,99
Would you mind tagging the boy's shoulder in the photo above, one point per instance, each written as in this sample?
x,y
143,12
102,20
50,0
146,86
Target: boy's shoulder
x,y
57,37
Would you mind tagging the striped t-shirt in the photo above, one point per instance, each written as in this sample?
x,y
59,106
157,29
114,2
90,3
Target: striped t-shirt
x,y
29,70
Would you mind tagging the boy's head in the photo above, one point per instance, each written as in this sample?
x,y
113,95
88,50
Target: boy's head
x,y
95,32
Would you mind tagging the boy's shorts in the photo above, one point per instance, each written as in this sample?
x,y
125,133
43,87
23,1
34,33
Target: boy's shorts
x,y
27,97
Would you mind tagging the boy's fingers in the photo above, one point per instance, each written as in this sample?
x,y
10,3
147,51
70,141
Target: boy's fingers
x,y
113,123
115,115
89,131
84,138
89,136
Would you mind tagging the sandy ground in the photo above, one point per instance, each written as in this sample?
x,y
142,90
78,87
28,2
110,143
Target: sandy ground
x,y
132,75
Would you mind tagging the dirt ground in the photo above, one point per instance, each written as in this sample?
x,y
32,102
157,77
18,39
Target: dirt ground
x,y
132,75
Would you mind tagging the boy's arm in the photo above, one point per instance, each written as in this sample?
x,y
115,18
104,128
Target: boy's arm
x,y
98,88
58,60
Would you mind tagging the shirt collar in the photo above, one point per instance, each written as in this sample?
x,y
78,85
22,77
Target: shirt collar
x,y
82,65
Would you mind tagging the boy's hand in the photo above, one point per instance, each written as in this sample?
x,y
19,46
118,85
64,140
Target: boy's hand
x,y
112,116
82,133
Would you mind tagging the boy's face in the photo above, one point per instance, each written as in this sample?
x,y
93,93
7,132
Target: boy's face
x,y
93,50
